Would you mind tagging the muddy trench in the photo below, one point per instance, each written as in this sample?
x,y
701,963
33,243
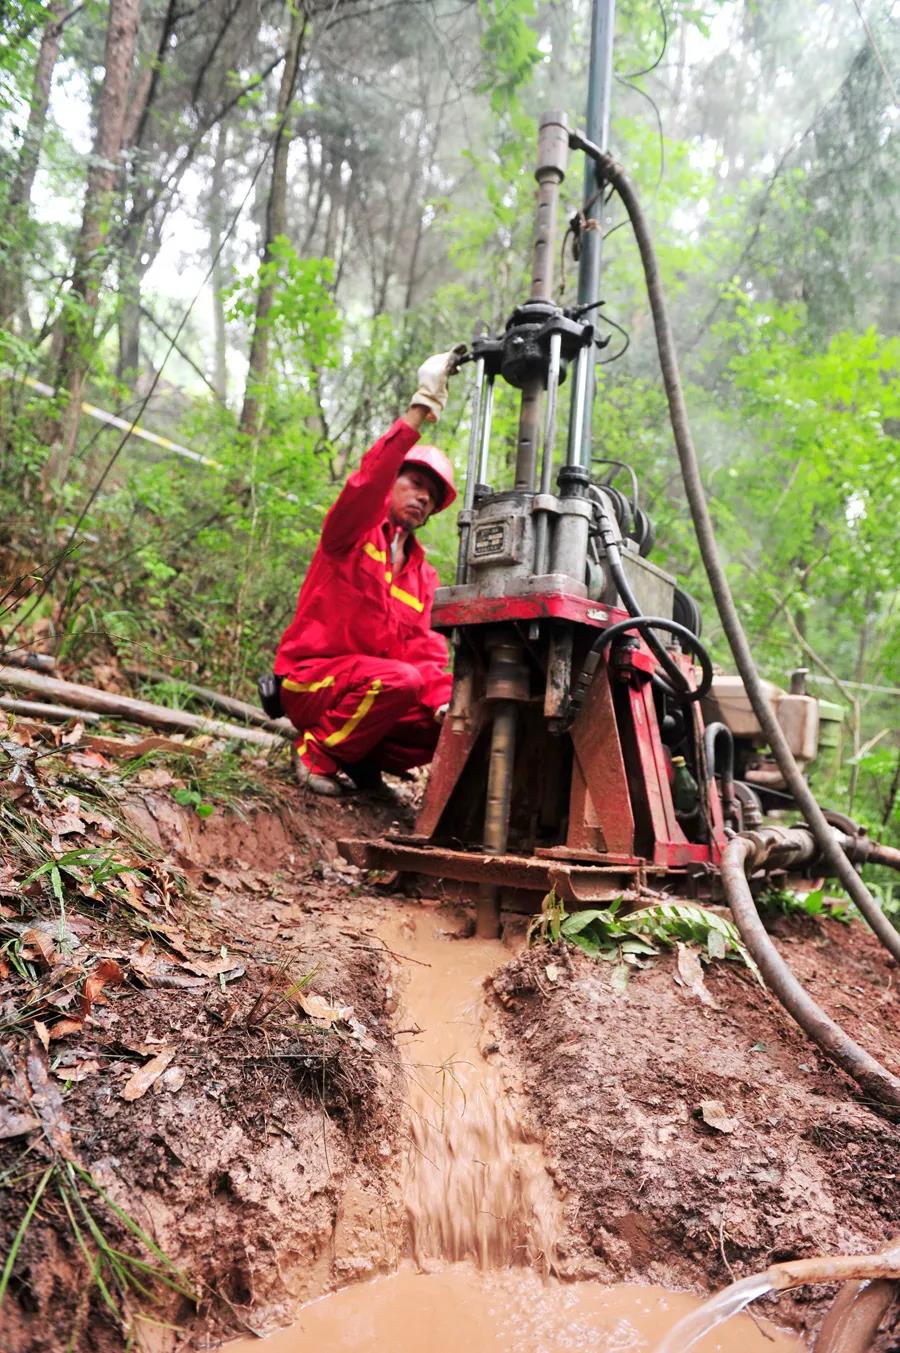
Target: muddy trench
x,y
466,1139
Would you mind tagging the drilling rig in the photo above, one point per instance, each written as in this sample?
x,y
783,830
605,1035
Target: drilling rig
x,y
575,754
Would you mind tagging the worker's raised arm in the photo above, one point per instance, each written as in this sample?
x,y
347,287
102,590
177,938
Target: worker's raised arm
x,y
361,503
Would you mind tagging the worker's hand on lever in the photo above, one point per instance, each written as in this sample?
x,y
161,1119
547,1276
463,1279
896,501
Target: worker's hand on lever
x,y
433,377
440,713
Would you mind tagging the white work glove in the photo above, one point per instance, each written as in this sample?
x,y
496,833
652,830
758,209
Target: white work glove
x,y
432,377
440,713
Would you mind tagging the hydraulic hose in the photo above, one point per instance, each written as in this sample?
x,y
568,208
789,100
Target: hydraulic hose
x,y
644,623
796,846
832,854
680,688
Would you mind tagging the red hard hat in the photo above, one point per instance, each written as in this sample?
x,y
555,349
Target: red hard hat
x,y
433,460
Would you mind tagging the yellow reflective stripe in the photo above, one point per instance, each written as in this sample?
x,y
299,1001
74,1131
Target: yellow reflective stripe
x,y
407,598
308,685
362,710
307,737
379,556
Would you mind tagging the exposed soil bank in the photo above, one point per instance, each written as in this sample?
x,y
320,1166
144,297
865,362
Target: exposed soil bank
x,y
614,1081
264,1162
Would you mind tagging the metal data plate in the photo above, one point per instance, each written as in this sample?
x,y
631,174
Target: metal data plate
x,y
497,541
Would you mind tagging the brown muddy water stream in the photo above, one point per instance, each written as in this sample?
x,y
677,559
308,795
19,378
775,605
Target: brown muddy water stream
x,y
481,1211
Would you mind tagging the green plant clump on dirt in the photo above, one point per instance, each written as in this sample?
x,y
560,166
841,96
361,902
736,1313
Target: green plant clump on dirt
x,y
633,939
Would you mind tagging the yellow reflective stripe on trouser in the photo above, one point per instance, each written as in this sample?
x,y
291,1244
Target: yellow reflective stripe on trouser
x,y
407,598
306,686
362,710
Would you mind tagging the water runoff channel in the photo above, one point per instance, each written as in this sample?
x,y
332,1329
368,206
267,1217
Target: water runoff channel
x,y
482,1214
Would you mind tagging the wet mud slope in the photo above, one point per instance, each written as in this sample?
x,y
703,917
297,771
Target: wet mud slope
x,y
697,1142
234,1094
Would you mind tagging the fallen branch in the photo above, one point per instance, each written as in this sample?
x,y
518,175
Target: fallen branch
x,y
35,709
239,708
21,657
136,711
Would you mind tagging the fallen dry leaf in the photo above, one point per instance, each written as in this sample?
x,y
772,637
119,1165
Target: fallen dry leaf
x,y
155,777
106,973
690,970
65,1027
89,760
41,1031
322,1012
38,944
74,735
14,1123
173,1079
142,1079
78,1071
47,1102
714,1115
67,822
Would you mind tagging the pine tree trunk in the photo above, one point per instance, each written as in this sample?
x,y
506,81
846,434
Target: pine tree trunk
x,y
90,256
19,198
276,224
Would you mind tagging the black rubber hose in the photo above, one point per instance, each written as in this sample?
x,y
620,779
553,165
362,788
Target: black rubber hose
x,y
875,1080
680,688
645,622
715,737
833,856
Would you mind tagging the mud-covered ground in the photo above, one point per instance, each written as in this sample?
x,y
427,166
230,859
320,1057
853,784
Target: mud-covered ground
x,y
237,1095
620,1084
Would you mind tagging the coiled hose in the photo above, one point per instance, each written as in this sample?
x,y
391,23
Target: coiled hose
x,y
832,854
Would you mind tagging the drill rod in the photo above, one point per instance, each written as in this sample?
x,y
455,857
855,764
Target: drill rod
x,y
542,524
496,817
553,153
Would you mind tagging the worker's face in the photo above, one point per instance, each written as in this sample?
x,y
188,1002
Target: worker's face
x,y
413,499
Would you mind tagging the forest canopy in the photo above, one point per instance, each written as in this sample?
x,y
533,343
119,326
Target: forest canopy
x,y
243,225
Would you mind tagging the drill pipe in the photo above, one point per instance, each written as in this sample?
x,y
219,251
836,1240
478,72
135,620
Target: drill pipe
x,y
795,847
496,816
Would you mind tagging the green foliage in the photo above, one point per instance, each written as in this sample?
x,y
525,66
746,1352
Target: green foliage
x,y
632,939
510,47
130,1281
813,903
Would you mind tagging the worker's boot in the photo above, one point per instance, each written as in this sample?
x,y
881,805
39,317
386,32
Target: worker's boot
x,y
368,779
327,785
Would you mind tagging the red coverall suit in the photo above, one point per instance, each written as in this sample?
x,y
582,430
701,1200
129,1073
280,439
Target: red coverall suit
x,y
362,670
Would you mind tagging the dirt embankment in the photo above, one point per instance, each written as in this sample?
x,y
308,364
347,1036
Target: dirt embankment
x,y
266,1158
617,1084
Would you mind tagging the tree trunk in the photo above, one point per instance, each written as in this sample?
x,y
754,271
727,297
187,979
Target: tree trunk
x,y
131,268
90,254
275,225
216,223
20,190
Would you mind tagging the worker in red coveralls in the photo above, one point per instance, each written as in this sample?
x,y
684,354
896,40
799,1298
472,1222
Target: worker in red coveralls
x,y
363,675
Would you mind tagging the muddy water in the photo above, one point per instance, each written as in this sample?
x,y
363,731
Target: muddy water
x,y
464,1310
481,1211
476,1188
